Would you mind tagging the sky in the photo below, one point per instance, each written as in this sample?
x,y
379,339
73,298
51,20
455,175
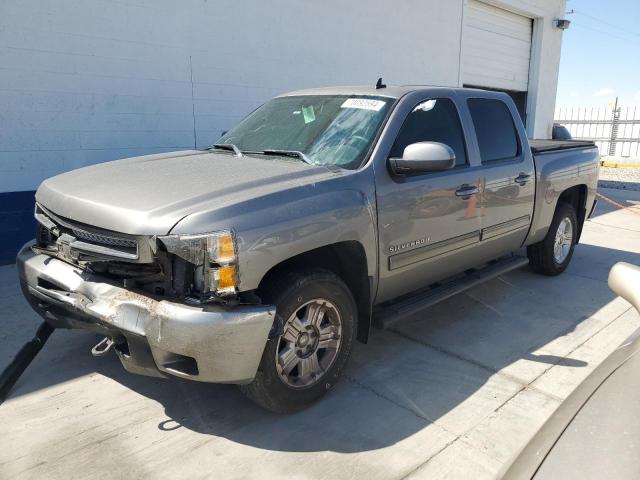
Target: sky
x,y
600,54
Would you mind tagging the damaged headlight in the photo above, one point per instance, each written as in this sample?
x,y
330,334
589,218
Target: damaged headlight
x,y
214,256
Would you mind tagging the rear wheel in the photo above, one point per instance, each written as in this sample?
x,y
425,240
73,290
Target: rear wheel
x,y
318,314
552,255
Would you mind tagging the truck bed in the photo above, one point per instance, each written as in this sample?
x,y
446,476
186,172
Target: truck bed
x,y
544,146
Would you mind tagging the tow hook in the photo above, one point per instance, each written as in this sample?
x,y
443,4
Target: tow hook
x,y
103,347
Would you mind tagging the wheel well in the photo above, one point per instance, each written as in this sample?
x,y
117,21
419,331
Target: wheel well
x,y
576,196
348,260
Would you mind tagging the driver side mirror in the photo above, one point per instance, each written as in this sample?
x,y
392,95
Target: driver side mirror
x,y
423,157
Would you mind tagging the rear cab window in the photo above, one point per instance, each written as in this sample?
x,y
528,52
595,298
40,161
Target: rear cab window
x,y
495,130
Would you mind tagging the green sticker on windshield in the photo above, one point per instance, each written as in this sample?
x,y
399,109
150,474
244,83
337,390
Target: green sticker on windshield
x,y
308,114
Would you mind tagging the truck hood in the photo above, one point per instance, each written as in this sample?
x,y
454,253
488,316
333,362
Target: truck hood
x,y
148,195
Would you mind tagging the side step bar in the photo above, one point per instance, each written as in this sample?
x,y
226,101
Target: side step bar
x,y
396,311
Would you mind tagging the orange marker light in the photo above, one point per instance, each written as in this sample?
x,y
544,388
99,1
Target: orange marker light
x,y
221,248
226,277
226,252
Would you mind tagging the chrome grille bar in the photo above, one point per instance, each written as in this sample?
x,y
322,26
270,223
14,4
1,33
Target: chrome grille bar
x,y
90,243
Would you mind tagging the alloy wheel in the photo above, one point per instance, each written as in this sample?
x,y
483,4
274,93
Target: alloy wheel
x,y
310,343
563,241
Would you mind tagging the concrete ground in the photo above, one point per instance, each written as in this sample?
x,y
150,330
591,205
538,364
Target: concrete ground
x,y
453,393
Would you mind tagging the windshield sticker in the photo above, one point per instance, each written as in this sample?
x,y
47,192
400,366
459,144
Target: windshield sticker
x,y
363,103
308,114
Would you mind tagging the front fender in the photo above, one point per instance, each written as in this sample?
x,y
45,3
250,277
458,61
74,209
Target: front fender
x,y
276,227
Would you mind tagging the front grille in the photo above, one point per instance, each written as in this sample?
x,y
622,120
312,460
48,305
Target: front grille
x,y
87,243
103,239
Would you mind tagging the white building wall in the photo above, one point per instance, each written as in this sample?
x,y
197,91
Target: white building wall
x,y
85,81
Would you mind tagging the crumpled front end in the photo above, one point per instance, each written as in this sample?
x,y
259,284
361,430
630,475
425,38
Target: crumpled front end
x,y
153,335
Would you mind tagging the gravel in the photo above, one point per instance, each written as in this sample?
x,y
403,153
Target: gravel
x,y
620,177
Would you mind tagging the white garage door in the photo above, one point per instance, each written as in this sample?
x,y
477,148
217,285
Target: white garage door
x,y
496,47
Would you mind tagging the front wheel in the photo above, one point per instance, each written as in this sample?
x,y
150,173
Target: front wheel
x,y
552,255
318,314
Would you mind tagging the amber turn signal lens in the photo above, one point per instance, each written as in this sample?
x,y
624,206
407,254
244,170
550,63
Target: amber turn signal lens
x,y
226,250
226,277
221,248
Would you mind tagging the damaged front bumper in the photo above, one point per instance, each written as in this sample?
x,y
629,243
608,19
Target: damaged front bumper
x,y
208,343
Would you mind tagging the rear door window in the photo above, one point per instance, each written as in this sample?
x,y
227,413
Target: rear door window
x,y
495,131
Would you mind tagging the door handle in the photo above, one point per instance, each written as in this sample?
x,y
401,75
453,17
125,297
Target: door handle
x,y
522,178
466,191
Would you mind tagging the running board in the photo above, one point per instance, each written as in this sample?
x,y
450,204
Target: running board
x,y
398,310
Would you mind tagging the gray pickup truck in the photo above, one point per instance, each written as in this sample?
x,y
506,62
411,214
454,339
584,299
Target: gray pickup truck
x,y
260,260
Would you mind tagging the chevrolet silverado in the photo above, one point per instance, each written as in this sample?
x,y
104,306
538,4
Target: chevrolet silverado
x,y
262,259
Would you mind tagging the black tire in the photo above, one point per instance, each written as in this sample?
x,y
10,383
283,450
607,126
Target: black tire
x,y
289,293
541,254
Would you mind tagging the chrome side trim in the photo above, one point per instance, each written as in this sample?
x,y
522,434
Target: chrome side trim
x,y
429,251
506,227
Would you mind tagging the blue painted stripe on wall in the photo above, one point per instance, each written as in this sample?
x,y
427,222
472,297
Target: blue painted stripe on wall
x,y
17,224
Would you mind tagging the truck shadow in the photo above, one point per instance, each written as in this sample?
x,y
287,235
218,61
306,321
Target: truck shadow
x,y
434,374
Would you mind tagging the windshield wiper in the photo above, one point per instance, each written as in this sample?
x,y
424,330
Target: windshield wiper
x,y
289,153
227,146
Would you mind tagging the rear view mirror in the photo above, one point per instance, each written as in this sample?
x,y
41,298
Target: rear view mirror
x,y
423,157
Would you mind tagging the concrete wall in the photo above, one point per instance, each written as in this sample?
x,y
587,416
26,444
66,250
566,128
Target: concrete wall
x,y
85,81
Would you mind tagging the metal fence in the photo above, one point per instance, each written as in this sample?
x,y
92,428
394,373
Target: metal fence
x,y
615,129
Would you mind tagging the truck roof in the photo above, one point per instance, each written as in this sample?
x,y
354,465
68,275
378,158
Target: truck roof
x,y
391,91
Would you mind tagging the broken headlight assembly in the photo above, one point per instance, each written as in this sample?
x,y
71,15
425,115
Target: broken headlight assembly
x,y
214,259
